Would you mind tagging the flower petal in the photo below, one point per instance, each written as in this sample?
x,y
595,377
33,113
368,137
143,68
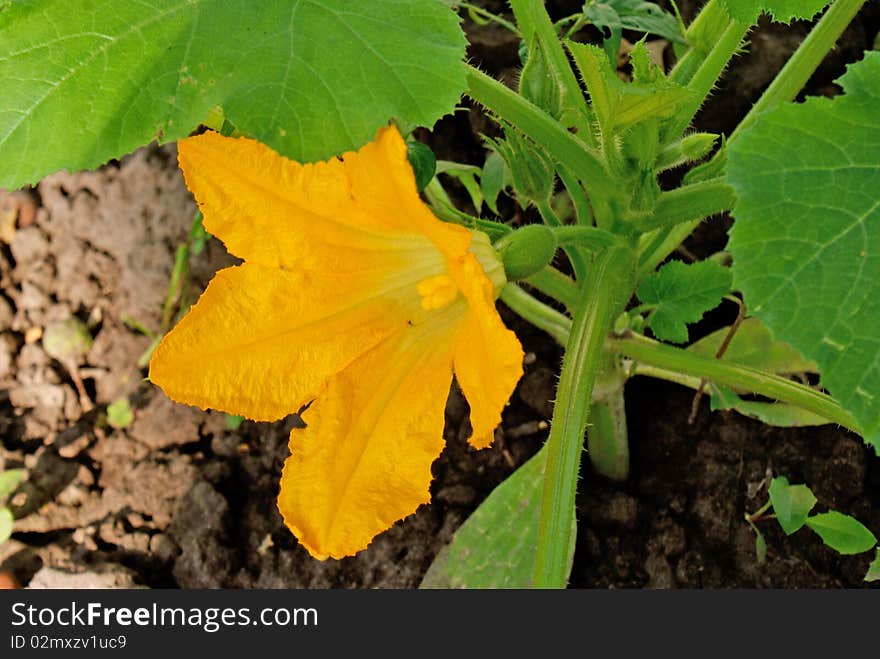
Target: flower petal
x,y
261,342
270,210
488,356
364,461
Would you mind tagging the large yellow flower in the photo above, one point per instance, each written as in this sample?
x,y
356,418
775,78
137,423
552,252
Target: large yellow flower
x,y
353,297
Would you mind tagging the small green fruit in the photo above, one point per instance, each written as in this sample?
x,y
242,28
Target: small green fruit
x,y
527,250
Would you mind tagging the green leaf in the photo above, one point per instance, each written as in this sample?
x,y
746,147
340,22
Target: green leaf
x,y
791,503
89,80
782,11
620,104
617,15
233,422
467,176
119,414
493,180
681,293
753,345
781,415
423,162
495,547
844,534
9,480
873,573
760,547
6,522
806,241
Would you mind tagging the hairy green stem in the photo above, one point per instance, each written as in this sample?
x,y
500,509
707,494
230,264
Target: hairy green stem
x,y
688,204
534,22
707,75
572,251
603,294
657,245
537,313
735,376
607,437
583,214
557,285
591,238
703,31
806,59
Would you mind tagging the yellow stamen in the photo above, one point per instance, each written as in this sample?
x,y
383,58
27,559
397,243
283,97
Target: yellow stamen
x,y
437,292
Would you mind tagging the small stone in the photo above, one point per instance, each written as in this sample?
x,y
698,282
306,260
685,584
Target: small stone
x,y
33,334
163,547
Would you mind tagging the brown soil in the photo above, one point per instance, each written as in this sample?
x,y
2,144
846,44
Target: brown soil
x,y
178,500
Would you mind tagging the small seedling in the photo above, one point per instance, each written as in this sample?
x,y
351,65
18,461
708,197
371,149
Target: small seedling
x,y
119,414
791,506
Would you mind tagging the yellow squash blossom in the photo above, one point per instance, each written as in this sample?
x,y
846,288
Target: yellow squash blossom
x,y
352,297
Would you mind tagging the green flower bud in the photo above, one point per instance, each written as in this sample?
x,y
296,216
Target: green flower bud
x,y
688,149
527,250
537,83
531,170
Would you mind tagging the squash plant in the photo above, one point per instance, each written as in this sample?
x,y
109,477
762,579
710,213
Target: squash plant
x,y
89,80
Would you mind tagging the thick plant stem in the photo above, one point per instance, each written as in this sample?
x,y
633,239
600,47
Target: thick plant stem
x,y
534,22
607,438
688,204
557,285
551,219
588,237
735,376
660,244
584,215
603,294
707,75
538,314
703,31
806,59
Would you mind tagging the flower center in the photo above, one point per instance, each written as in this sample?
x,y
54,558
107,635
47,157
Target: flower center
x,y
437,292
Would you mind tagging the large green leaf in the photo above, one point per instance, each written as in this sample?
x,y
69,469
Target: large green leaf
x,y
495,547
747,11
88,80
753,345
637,15
806,241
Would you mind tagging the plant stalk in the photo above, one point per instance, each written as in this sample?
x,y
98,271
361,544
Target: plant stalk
x,y
537,313
557,285
689,204
704,30
534,22
735,376
707,75
603,294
